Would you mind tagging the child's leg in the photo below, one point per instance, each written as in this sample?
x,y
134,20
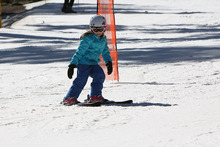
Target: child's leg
x,y
98,76
83,72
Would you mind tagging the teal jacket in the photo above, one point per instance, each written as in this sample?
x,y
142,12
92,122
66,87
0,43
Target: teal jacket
x,y
90,49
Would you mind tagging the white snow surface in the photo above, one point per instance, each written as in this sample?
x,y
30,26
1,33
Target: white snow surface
x,y
169,65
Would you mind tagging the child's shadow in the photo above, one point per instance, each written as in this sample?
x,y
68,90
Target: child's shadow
x,y
143,104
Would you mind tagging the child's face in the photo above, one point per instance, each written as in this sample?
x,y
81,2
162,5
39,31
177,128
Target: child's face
x,y
98,31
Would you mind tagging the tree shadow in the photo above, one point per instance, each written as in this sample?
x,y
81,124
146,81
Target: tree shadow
x,y
44,27
89,8
33,54
168,54
173,28
48,9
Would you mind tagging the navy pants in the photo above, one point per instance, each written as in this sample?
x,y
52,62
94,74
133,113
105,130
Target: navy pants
x,y
83,72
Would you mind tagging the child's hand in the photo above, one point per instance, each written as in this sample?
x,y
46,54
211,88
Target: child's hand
x,y
71,70
109,67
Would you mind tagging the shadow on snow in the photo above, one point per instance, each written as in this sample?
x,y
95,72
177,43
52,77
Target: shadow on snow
x,y
143,104
33,54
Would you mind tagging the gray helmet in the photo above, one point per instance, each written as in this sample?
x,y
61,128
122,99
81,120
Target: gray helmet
x,y
98,21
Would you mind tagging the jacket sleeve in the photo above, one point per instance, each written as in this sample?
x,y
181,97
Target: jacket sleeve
x,y
106,54
83,47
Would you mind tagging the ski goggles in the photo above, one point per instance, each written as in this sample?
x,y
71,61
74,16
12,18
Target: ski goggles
x,y
98,29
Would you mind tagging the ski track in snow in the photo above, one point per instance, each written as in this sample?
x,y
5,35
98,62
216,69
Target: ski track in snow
x,y
168,64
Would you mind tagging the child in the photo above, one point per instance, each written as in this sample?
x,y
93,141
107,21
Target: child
x,y
93,43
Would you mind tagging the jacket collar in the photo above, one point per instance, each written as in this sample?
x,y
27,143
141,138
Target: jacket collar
x,y
97,36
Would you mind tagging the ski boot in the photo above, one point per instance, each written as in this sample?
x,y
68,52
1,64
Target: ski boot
x,y
70,101
94,99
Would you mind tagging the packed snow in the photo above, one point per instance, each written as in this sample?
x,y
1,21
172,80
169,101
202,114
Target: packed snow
x,y
169,65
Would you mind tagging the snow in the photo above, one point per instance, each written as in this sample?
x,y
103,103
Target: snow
x,y
169,64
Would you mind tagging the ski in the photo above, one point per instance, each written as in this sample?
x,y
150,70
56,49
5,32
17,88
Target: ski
x,y
96,104
86,104
106,102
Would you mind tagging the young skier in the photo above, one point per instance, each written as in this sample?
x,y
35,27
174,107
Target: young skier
x,y
86,58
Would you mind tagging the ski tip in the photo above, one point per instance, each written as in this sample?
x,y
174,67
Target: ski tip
x,y
130,101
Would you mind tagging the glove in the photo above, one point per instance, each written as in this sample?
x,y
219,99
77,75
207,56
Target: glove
x,y
71,70
109,67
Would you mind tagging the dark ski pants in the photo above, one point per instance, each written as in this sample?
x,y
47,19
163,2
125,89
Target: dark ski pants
x,y
83,72
68,2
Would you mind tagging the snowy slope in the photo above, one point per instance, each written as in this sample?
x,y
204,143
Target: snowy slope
x,y
169,64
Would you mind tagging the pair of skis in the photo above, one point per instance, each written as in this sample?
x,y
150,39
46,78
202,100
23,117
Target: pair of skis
x,y
86,103
105,102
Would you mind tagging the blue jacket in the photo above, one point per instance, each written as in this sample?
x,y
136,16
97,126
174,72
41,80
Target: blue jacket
x,y
90,49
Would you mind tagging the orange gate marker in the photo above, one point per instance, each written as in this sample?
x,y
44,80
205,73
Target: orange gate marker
x,y
106,9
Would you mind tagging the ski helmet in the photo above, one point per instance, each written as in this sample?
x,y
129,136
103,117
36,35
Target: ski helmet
x,y
98,21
